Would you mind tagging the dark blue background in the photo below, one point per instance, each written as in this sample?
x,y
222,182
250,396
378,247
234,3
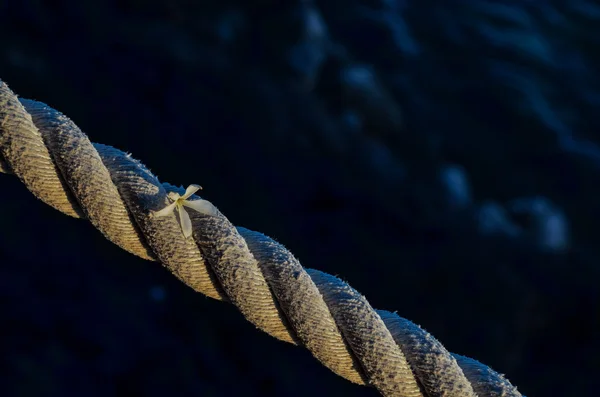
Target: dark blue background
x,y
440,156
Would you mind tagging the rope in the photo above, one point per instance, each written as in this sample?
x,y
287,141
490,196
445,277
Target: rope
x,y
118,194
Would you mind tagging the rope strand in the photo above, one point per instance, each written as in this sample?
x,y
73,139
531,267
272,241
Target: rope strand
x,y
57,162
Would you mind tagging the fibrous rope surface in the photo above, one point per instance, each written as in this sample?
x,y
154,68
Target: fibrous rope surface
x,y
59,164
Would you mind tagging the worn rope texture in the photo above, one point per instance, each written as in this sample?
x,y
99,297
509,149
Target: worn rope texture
x,y
60,166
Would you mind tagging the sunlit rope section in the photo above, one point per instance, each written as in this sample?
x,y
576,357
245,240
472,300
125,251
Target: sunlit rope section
x,y
57,162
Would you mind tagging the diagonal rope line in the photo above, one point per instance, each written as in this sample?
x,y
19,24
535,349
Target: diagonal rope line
x,y
57,162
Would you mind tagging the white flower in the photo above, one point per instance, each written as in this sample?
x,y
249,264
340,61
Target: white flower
x,y
202,206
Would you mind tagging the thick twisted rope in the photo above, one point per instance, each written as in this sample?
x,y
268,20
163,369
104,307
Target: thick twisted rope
x,y
60,166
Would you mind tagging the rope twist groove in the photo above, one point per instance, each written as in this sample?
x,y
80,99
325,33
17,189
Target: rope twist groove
x,y
57,162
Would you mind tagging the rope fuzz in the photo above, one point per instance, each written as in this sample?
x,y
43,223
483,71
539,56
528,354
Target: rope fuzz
x,y
119,196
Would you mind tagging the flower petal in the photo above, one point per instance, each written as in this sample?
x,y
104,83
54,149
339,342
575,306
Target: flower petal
x,y
165,211
186,222
202,206
191,190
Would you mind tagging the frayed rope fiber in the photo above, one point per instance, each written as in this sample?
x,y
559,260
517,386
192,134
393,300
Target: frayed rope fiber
x,y
119,195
